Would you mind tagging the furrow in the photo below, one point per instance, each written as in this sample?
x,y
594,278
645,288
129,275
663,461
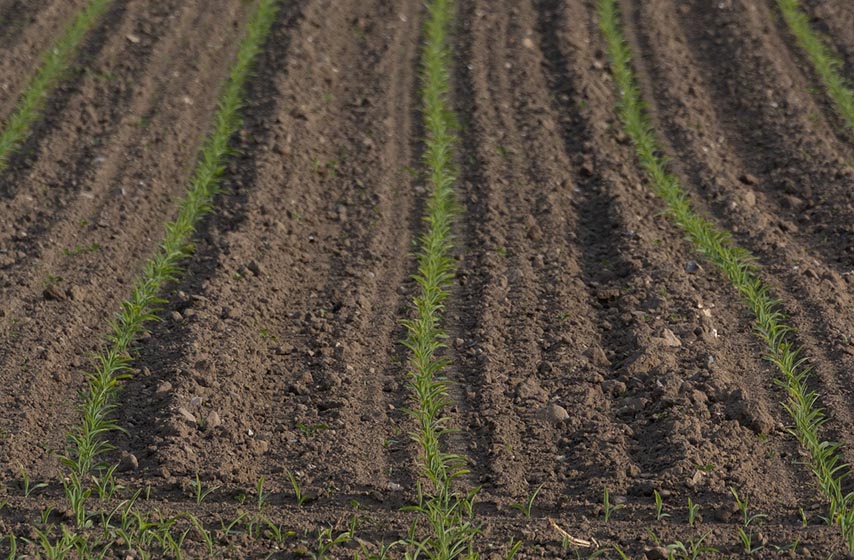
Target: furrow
x,y
713,158
671,410
738,266
834,19
305,283
106,229
823,62
52,68
28,28
484,367
766,123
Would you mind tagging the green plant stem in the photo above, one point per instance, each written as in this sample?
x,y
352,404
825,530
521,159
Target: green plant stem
x,y
737,265
55,62
827,65
447,511
88,440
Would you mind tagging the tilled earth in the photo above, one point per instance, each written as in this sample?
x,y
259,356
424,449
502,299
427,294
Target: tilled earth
x,y
279,348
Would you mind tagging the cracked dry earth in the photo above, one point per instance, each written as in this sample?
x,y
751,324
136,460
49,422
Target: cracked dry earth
x,y
279,350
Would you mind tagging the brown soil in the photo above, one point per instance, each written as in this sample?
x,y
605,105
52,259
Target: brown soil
x,y
279,348
29,27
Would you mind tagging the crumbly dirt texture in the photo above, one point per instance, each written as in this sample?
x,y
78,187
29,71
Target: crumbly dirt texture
x,y
279,348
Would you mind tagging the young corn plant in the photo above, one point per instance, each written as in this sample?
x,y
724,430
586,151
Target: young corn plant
x,y
608,508
448,511
199,491
54,64
827,64
88,440
739,267
693,512
659,506
526,507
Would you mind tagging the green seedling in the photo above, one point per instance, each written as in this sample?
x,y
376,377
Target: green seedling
x,y
659,506
827,64
608,508
229,529
693,550
87,441
262,497
693,511
513,548
746,538
742,507
52,280
326,541
297,490
276,532
13,547
739,267
311,430
81,249
206,536
54,65
525,508
448,512
199,490
45,515
27,485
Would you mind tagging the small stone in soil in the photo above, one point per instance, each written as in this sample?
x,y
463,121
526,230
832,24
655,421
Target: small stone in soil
x,y
213,420
186,414
128,462
553,413
597,356
77,293
748,179
691,267
255,268
53,293
670,339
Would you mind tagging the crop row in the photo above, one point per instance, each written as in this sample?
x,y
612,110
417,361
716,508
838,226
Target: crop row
x,y
738,266
827,65
447,509
86,474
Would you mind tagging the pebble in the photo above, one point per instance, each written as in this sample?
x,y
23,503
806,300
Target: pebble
x,y
656,553
692,267
163,389
133,38
213,420
553,413
748,179
792,202
128,462
176,316
597,356
670,339
254,268
527,43
614,387
750,199
53,293
186,414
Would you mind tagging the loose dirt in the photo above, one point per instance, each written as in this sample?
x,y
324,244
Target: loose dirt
x,y
590,347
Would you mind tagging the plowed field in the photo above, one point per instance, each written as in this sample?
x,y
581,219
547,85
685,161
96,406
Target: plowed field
x,y
279,351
